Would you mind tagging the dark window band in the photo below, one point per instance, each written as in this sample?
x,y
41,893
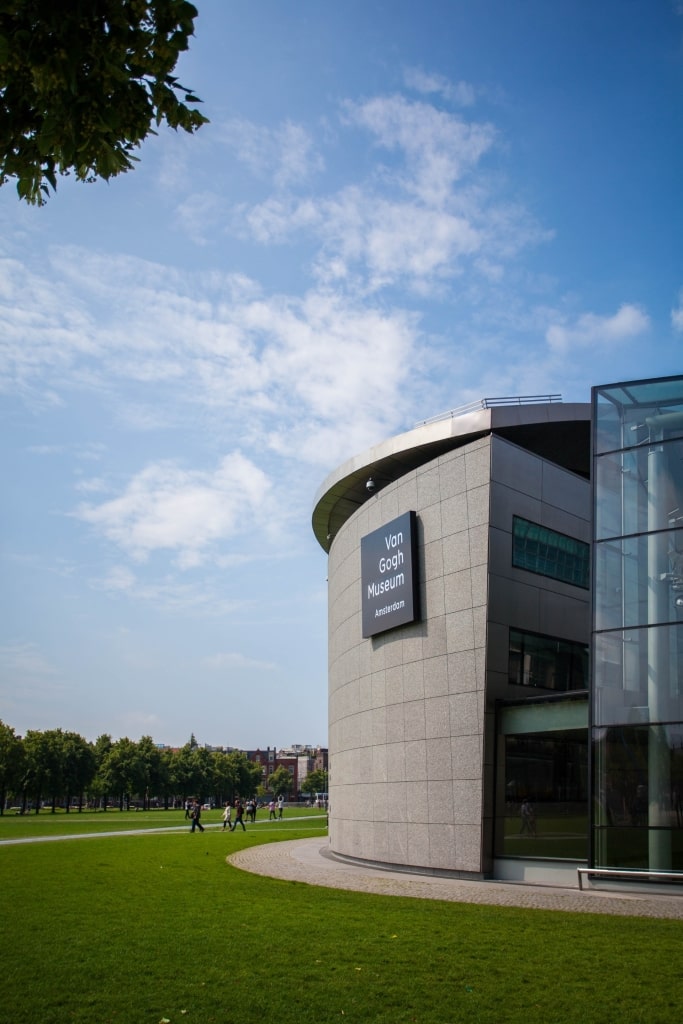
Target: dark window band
x,y
548,553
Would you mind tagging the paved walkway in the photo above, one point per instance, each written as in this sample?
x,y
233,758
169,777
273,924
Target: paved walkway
x,y
309,861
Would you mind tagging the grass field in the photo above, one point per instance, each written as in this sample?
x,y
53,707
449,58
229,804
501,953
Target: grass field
x,y
19,826
158,927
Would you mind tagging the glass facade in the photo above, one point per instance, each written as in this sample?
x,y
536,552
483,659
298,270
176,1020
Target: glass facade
x,y
546,662
548,553
637,650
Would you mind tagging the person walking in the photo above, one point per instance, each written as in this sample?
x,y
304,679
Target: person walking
x,y
227,817
280,806
528,816
239,815
271,809
196,816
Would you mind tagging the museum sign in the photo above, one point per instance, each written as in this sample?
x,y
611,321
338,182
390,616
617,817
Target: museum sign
x,y
389,577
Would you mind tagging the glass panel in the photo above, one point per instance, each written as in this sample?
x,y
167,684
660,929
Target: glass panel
x,y
548,553
618,600
545,811
638,807
638,676
627,483
629,848
546,662
625,593
628,415
607,403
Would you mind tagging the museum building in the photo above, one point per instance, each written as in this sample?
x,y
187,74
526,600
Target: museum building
x,y
475,576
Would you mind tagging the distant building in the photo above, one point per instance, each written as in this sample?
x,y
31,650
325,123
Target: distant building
x,y
267,759
299,760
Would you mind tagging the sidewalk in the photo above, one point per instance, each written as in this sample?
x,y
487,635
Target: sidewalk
x,y
309,861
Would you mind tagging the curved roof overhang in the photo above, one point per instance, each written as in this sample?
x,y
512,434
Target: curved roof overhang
x,y
555,431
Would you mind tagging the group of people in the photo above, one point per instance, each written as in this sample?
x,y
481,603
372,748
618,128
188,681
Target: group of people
x,y
233,814
240,810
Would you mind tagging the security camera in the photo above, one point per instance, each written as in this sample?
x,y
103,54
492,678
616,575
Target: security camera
x,y
679,602
370,485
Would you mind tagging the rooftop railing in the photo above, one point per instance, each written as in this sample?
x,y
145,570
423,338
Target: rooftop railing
x,y
490,403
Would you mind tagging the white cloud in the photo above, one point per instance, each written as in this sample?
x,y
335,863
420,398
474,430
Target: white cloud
x,y
199,213
184,511
369,242
416,242
41,335
119,578
95,485
335,371
308,378
86,452
439,148
677,314
274,220
590,329
46,449
418,219
461,93
297,157
250,360
286,154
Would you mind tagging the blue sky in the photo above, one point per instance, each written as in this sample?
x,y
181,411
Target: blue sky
x,y
396,209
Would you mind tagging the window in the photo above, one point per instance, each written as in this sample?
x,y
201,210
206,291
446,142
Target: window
x,y
546,662
637,813
548,553
542,779
545,809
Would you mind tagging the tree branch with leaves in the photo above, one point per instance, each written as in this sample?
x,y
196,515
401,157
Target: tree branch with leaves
x,y
84,82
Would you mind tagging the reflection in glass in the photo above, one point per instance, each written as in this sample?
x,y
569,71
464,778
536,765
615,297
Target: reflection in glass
x,y
546,662
627,415
624,584
545,811
638,798
549,553
622,676
623,489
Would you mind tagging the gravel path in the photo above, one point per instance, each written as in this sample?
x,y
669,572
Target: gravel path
x,y
309,861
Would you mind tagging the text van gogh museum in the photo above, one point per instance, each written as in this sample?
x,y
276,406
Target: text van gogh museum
x,y
506,641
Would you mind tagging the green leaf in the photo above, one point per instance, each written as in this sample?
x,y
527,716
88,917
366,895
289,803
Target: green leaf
x,y
84,83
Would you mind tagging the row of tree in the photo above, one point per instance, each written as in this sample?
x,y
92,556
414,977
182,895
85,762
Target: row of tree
x,y
62,769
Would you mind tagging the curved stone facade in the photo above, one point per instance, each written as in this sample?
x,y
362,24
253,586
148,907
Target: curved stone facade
x,y
411,711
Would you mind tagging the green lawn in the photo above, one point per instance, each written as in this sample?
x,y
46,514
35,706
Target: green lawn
x,y
18,826
142,929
